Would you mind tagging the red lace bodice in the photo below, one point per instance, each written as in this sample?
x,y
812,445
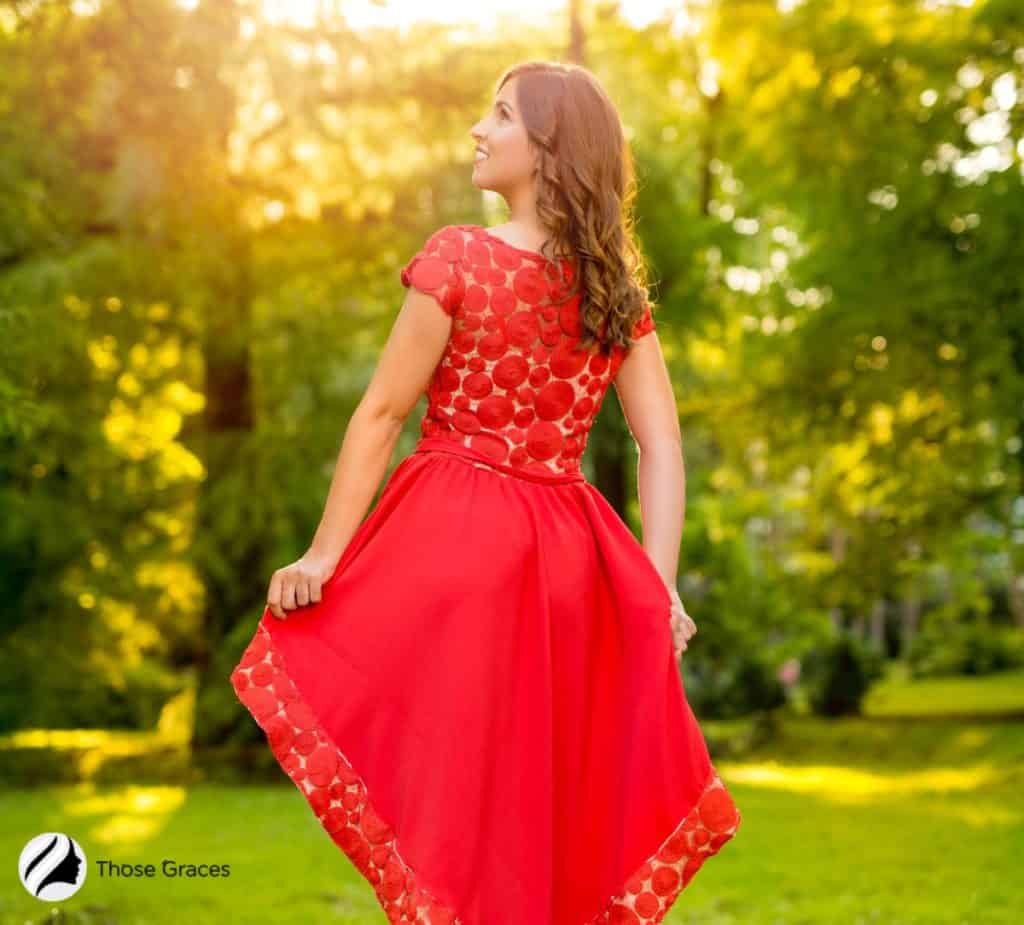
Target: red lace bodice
x,y
512,383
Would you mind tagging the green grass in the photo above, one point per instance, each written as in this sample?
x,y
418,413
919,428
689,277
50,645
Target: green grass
x,y
900,746
850,838
896,818
826,845
999,694
284,867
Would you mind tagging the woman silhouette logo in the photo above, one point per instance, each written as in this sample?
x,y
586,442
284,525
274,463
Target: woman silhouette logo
x,y
52,866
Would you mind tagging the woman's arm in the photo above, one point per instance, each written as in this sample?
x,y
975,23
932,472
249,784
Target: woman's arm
x,y
411,354
649,407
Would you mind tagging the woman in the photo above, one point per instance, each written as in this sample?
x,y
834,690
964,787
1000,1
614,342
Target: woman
x,y
476,688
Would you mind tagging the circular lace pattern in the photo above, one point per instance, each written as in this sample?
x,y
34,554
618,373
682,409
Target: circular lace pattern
x,y
512,383
338,796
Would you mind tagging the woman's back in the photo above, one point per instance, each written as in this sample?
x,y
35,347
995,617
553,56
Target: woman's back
x,y
513,383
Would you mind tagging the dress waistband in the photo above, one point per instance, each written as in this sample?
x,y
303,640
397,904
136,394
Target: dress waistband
x,y
444,445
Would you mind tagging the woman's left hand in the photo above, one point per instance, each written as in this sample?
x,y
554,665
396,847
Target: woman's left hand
x,y
682,624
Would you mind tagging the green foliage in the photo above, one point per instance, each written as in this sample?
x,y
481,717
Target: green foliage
x,y
838,675
200,228
747,685
950,647
47,683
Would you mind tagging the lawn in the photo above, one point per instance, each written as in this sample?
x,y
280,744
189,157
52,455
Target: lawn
x,y
875,820
999,694
819,844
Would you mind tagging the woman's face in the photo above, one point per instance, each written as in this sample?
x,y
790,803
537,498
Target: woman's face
x,y
510,160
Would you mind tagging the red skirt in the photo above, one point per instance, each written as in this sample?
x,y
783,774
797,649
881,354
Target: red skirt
x,y
484,709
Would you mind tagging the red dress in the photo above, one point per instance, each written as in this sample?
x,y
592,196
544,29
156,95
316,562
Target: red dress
x,y
484,710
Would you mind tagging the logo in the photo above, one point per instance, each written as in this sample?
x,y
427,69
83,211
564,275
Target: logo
x,y
52,866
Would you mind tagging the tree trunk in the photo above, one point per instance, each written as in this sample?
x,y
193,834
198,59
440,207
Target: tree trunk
x,y
878,625
1015,592
910,618
226,563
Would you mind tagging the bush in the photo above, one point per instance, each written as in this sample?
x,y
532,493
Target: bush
x,y
945,647
837,676
54,687
749,686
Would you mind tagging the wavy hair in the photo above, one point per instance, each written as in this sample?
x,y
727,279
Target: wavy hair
x,y
585,194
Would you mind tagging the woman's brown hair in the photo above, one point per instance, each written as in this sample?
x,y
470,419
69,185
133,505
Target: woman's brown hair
x,y
585,193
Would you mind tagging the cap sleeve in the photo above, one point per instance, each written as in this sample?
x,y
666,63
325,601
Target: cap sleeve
x,y
436,269
645,324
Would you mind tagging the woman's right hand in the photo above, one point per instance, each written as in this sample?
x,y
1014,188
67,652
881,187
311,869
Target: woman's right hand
x,y
298,584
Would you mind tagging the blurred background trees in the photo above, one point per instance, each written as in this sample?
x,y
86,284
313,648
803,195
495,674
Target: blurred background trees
x,y
204,210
